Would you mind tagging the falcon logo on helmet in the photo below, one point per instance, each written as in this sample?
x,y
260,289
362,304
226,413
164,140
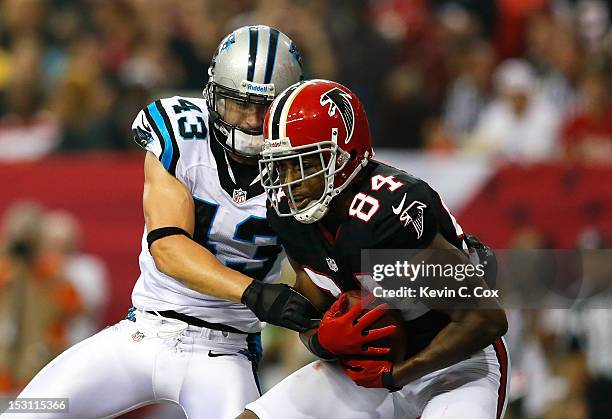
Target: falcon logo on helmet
x,y
304,143
340,100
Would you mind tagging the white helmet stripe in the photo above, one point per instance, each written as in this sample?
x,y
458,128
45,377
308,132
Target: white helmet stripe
x,y
287,106
275,112
263,47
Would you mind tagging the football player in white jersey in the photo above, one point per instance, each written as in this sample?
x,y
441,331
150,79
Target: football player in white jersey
x,y
209,259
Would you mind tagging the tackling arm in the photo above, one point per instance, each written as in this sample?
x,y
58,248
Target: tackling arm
x,y
307,288
167,203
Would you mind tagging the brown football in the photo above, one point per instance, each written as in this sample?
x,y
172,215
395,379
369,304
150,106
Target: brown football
x,y
397,341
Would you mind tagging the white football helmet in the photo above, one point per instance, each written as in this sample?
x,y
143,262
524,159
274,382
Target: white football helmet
x,y
251,66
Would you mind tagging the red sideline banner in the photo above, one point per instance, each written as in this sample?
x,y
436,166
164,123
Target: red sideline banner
x,y
104,192
558,202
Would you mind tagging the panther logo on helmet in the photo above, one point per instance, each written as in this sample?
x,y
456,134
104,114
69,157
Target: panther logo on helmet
x,y
251,65
231,39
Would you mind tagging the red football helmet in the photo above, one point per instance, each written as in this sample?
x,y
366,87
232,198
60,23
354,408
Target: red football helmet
x,y
314,118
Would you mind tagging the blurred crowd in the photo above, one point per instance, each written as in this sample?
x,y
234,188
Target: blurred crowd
x,y
517,80
561,358
51,294
512,79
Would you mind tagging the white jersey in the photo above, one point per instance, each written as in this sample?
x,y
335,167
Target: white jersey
x,y
230,221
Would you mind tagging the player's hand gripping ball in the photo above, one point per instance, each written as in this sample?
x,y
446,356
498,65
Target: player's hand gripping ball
x,y
350,327
376,372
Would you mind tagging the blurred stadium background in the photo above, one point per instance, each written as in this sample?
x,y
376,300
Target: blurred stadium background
x,y
503,105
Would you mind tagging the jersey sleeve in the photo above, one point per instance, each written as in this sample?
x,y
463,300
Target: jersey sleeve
x,y
143,134
152,131
175,131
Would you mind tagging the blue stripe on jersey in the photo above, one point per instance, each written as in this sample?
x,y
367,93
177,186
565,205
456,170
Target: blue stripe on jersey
x,y
166,156
254,342
272,47
254,353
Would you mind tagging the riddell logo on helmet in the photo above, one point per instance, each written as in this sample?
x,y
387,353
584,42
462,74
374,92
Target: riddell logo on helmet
x,y
249,87
272,144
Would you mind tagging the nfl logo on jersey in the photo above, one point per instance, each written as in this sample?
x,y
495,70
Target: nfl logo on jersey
x,y
239,196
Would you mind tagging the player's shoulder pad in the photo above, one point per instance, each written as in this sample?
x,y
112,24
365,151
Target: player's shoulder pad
x,y
402,208
386,183
171,127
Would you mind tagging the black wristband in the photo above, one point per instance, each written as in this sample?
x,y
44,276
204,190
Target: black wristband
x,y
158,233
387,381
315,347
251,293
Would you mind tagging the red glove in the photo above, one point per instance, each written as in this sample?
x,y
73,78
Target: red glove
x,y
346,334
371,373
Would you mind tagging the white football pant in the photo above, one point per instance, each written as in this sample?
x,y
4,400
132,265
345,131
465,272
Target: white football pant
x,y
472,389
149,360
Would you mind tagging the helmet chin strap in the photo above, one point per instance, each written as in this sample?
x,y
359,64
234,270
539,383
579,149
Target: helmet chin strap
x,y
246,143
320,209
314,213
241,142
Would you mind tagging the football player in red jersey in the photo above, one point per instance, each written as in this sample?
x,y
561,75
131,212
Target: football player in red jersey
x,y
329,200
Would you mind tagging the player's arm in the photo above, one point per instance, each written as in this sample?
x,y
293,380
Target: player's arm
x,y
168,203
470,329
307,288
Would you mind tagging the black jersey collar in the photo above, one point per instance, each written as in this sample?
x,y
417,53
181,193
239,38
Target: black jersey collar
x,y
243,175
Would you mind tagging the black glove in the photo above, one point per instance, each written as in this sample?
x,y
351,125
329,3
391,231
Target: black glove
x,y
281,305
